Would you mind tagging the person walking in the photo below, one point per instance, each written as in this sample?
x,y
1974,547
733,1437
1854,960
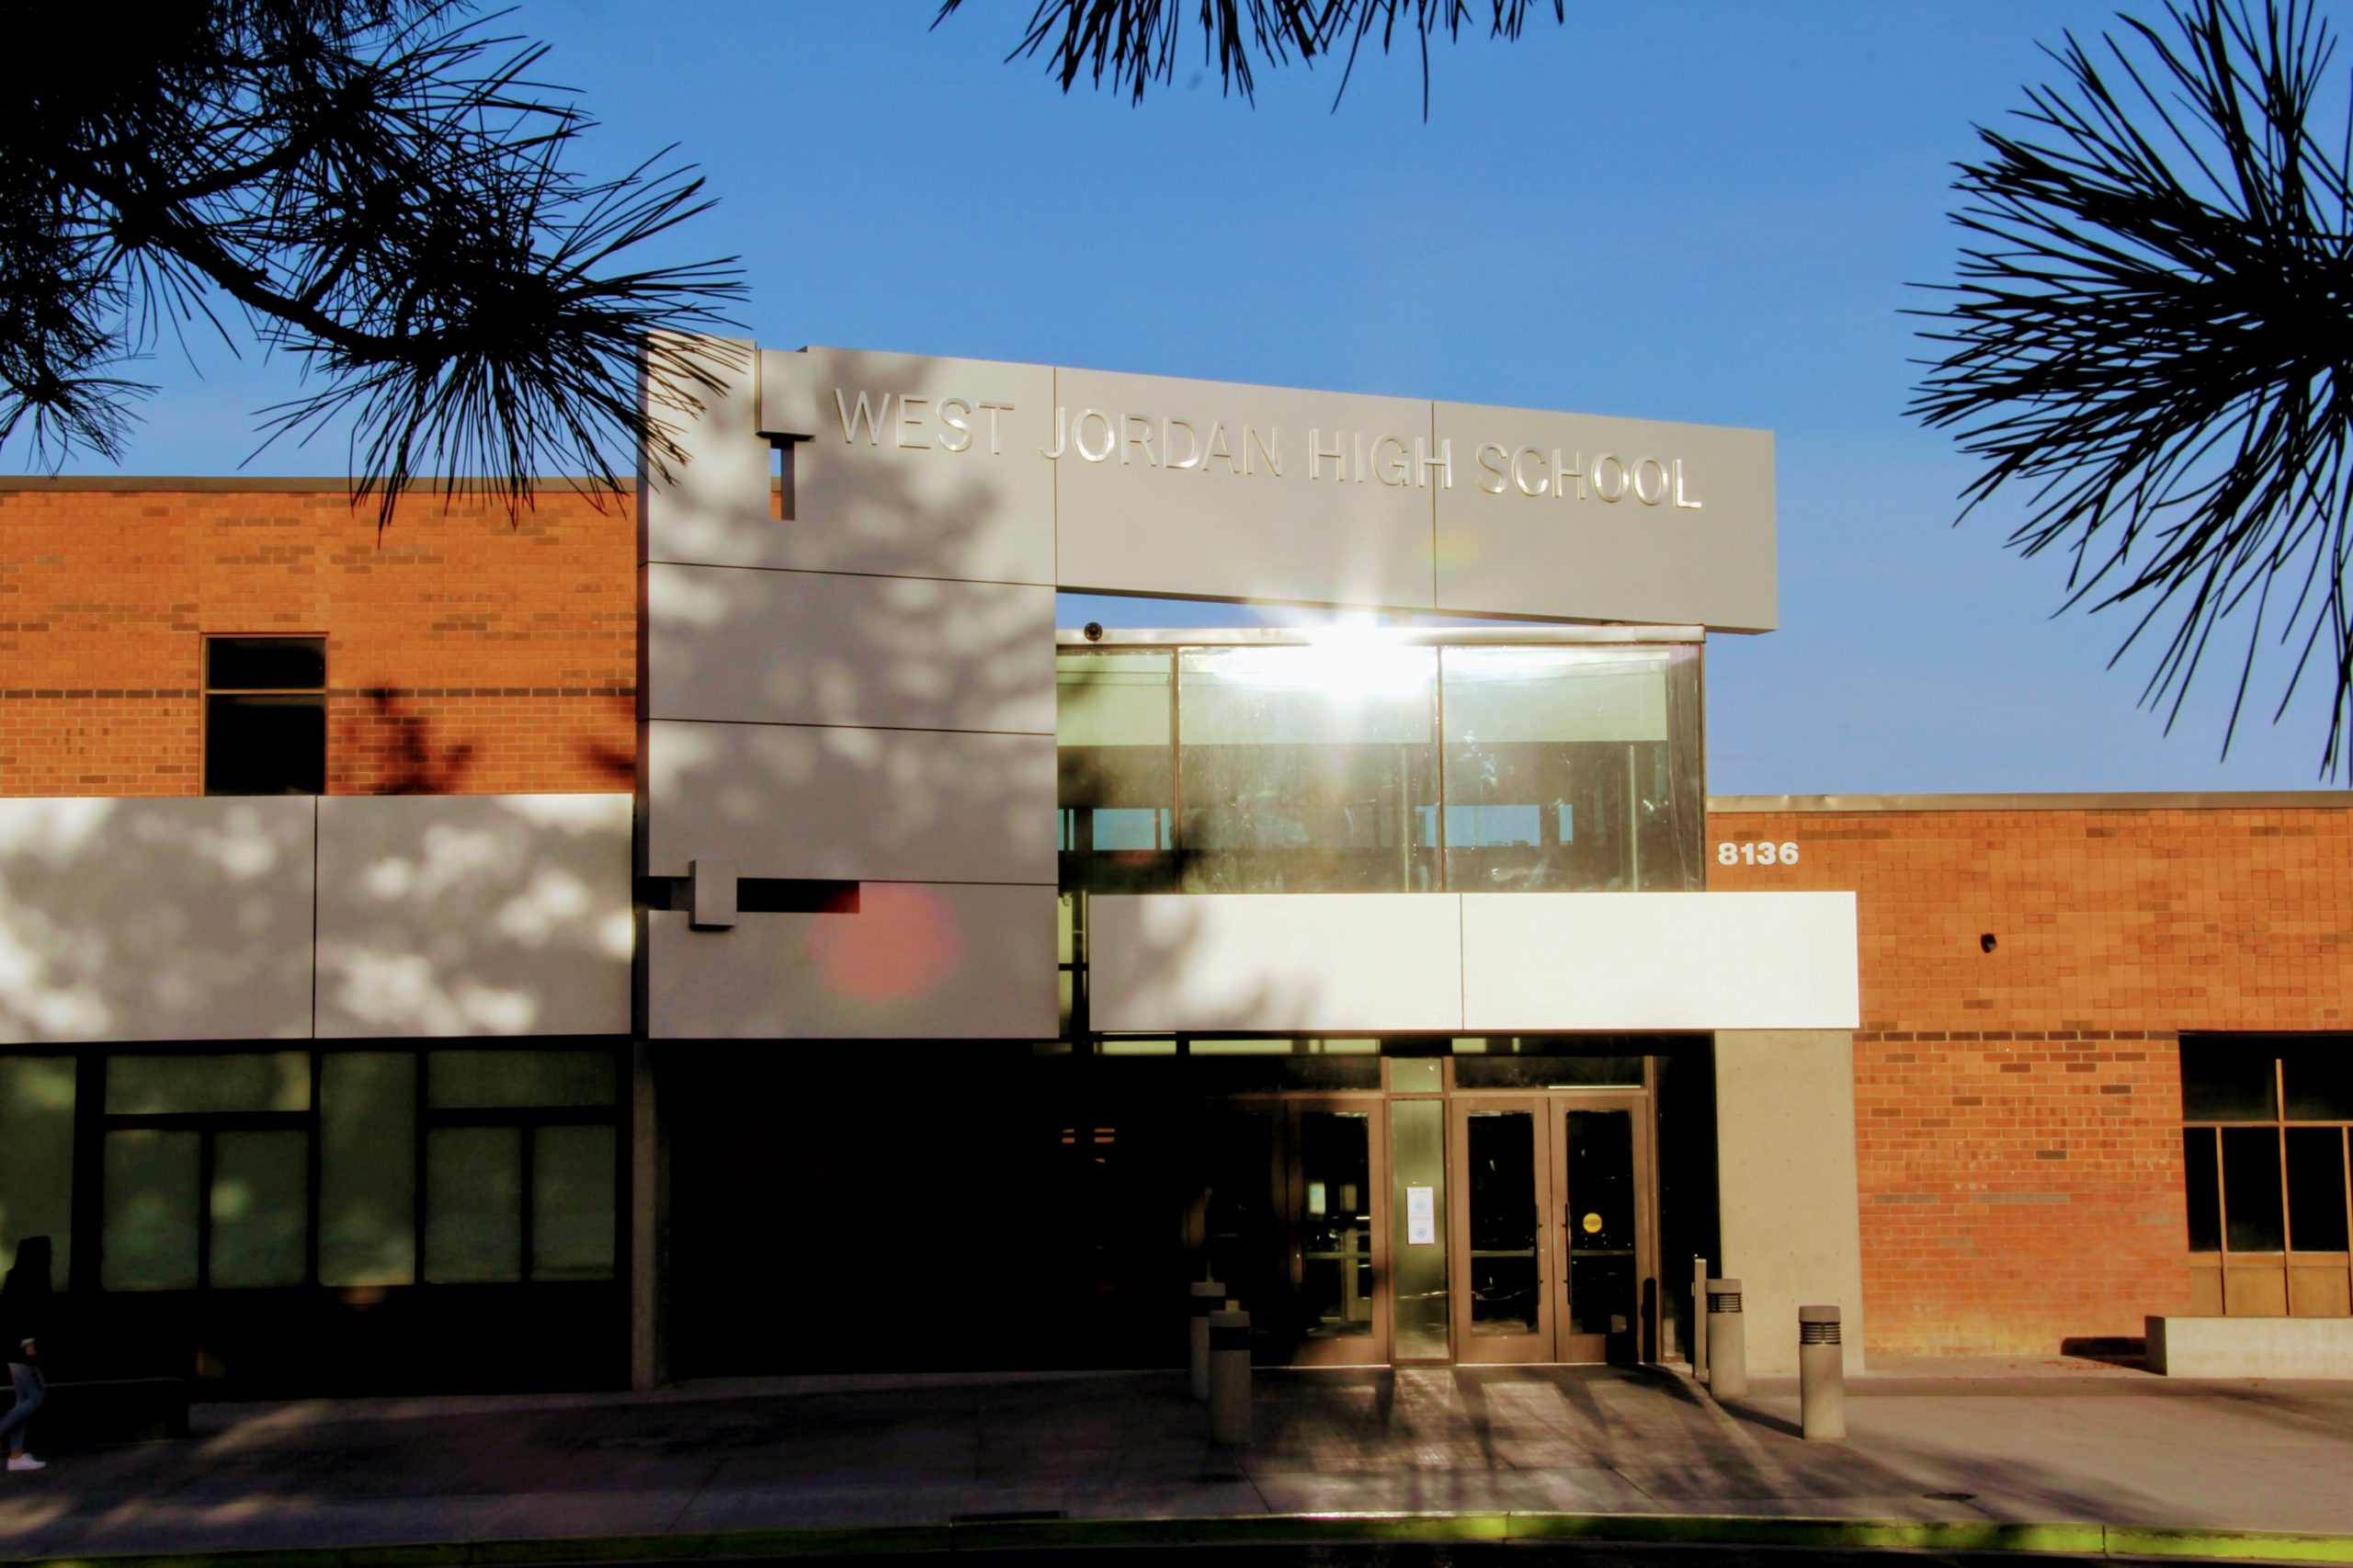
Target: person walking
x,y
24,1318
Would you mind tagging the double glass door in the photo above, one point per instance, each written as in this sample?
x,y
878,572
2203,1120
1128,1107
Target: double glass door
x,y
1551,1227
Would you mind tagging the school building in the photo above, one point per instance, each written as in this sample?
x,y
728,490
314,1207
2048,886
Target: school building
x,y
730,928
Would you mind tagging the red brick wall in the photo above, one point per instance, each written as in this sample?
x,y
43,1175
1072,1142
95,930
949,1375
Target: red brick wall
x,y
2017,1112
466,654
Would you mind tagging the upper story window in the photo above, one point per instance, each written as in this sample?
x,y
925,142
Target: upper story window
x,y
1380,763
265,715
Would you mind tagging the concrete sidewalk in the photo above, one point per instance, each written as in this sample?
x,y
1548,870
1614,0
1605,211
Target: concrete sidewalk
x,y
2095,1445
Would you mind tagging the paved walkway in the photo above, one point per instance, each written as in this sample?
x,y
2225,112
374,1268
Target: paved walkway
x,y
2021,1442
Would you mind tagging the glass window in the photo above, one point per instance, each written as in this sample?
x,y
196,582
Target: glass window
x,y
1336,1224
473,1205
265,664
2317,1188
1505,1288
1116,786
2317,1080
1416,1076
2227,1081
260,1208
1546,1072
367,1168
573,1182
2204,1189
180,1085
2251,1189
500,1079
1573,768
1602,1287
149,1236
1308,769
264,716
37,1158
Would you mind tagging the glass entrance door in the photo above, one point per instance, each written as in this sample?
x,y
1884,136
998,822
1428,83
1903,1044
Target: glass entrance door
x,y
1503,1248
1338,1251
1601,1157
1551,1227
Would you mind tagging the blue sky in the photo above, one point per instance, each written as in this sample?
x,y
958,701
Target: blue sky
x,y
1703,211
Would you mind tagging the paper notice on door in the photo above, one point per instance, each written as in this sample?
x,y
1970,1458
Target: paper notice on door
x,y
1421,1216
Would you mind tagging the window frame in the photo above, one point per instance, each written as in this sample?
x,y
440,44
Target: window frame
x,y
93,1123
2235,1282
207,691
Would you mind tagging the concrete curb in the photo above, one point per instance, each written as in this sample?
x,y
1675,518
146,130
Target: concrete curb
x,y
1714,1530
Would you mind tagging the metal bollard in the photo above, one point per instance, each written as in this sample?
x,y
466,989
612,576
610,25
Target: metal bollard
x,y
1727,1341
1229,1378
1695,1327
1208,1295
1821,1374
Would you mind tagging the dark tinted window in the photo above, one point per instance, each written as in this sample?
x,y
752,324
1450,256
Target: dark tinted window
x,y
265,664
2317,1079
264,716
2227,1081
2205,1192
1546,1072
2317,1188
265,745
2251,1187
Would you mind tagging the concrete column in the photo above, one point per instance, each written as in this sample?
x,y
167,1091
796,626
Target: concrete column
x,y
1787,1187
648,1225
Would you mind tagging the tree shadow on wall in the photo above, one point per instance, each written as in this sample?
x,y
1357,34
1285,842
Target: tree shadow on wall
x,y
398,743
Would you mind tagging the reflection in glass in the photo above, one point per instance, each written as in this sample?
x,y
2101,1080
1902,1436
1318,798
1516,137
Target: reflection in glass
x,y
149,1240
1572,768
1117,788
1336,1222
473,1205
2317,1188
1601,1221
259,1207
367,1168
573,1181
37,1157
1500,1174
483,1080
2251,1189
152,1085
2204,1189
1309,769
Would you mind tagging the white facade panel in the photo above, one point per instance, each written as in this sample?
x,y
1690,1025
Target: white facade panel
x,y
853,804
714,505
1658,961
1169,486
1589,518
816,648
915,962
1351,963
486,914
155,919
1480,963
911,466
